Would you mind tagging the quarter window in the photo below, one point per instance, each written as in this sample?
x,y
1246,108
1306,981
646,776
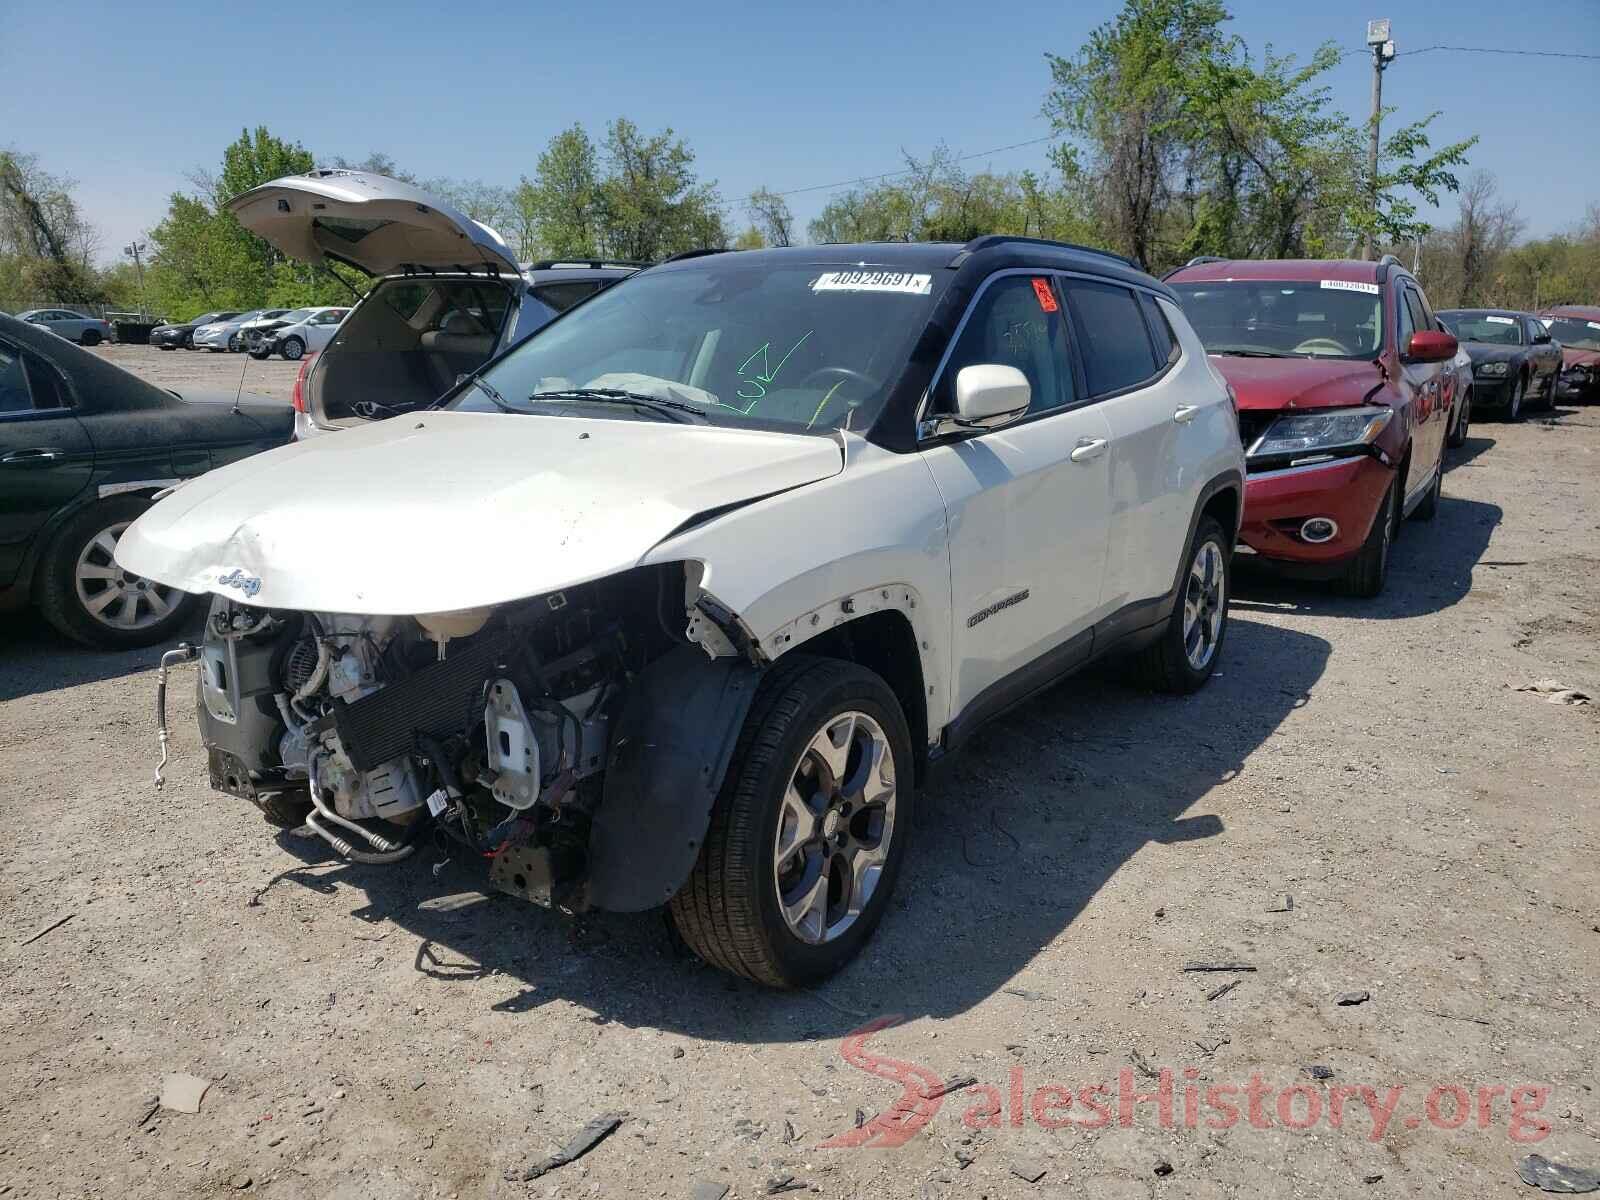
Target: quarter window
x,y
1160,329
14,393
1016,324
1115,343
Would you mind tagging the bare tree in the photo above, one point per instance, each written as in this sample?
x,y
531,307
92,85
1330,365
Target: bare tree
x,y
771,217
1486,228
40,224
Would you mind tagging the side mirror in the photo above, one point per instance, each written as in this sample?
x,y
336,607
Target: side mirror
x,y
989,395
1541,339
1427,346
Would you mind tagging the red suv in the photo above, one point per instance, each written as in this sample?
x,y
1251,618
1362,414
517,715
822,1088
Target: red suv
x,y
1344,385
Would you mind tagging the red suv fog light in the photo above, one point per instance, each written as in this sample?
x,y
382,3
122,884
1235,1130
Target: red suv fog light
x,y
1319,529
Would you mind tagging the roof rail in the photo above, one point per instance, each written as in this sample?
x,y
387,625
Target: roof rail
x,y
1199,260
700,253
552,264
988,240
1389,260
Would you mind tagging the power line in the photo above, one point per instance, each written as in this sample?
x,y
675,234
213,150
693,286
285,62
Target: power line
x,y
1499,50
829,187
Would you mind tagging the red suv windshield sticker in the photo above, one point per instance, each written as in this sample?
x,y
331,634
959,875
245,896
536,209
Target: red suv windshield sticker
x,y
1350,285
1047,298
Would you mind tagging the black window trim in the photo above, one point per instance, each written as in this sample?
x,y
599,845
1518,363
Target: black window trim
x,y
31,362
1148,381
924,409
925,405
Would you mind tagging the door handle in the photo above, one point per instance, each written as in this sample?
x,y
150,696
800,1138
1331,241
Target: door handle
x,y
1186,413
38,456
1088,448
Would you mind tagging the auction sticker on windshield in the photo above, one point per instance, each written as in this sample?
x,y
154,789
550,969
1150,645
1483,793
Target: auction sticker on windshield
x,y
1350,285
1500,320
874,281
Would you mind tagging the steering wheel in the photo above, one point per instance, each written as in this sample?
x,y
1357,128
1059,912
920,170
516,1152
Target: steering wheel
x,y
843,374
1322,346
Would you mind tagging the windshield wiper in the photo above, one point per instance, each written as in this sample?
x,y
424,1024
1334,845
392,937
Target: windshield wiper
x,y
618,396
488,390
1243,353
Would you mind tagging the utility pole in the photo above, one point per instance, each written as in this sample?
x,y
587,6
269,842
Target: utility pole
x,y
1382,52
133,250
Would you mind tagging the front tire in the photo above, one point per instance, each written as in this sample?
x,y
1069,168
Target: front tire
x,y
1514,406
1429,508
293,349
1369,569
809,832
85,595
1186,653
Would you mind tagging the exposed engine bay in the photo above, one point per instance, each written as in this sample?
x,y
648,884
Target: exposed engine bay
x,y
491,728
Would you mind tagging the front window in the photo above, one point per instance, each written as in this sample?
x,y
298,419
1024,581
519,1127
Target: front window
x,y
295,316
801,346
1322,318
1575,333
1485,327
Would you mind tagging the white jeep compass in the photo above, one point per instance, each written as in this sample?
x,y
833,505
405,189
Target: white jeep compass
x,y
675,602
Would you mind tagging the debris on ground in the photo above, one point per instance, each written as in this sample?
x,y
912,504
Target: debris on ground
x,y
1320,1072
1162,1167
585,1140
1029,1170
1217,966
56,924
1373,1178
1349,998
1556,692
1212,1045
955,1083
779,1184
1284,903
183,1093
1145,1068
1222,991
1026,994
1538,1171
240,1182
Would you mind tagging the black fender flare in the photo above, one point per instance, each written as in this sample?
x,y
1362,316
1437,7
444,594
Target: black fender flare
x,y
1228,481
669,754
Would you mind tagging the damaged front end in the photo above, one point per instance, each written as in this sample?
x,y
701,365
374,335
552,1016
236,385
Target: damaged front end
x,y
576,740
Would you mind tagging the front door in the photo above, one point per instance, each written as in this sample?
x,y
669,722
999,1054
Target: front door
x,y
45,456
1028,505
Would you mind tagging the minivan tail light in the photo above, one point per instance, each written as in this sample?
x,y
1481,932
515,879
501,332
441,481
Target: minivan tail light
x,y
298,396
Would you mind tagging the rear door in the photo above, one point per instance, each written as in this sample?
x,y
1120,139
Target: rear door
x,y
46,459
1028,521
1127,349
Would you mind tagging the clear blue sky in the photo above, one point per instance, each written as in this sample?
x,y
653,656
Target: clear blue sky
x,y
127,99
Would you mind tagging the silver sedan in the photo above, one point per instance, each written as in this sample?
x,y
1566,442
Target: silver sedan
x,y
74,326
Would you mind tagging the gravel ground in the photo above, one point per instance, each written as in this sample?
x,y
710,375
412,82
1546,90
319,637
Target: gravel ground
x,y
1361,802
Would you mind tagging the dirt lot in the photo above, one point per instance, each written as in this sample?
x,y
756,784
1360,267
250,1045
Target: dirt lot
x,y
399,1033
178,369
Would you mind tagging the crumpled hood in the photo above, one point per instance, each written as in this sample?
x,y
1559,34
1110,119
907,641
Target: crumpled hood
x,y
446,510
1274,383
1574,358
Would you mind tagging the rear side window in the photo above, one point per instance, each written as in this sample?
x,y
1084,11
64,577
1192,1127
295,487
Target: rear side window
x,y
14,393
1113,340
562,296
1160,330
1017,322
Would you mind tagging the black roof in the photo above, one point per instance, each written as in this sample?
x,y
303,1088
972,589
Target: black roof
x,y
992,252
94,381
1485,312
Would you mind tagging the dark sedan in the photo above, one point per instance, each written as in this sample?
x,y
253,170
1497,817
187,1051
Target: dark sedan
x,y
180,334
84,446
1576,328
1515,364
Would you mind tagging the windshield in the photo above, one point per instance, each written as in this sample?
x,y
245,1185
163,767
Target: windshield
x,y
1325,318
790,346
295,316
1484,327
1575,333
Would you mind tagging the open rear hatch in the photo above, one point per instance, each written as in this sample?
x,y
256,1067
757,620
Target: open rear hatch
x,y
372,222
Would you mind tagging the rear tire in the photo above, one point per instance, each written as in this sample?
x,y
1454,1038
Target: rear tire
x,y
91,337
1429,508
260,352
1547,398
1184,656
84,594
1458,435
732,909
1369,569
293,349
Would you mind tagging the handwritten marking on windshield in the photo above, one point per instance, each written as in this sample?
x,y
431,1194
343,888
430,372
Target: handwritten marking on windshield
x,y
763,378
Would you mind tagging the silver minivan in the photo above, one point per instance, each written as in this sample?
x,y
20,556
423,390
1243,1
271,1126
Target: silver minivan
x,y
449,293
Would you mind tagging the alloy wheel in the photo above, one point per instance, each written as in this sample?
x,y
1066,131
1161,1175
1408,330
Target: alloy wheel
x,y
112,596
835,826
1203,601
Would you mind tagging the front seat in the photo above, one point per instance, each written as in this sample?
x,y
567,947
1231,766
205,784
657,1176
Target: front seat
x,y
457,347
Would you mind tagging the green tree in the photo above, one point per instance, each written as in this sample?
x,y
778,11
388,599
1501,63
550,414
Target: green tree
x,y
559,207
650,202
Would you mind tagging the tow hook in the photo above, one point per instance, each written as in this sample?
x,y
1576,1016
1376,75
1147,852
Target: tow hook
x,y
183,653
